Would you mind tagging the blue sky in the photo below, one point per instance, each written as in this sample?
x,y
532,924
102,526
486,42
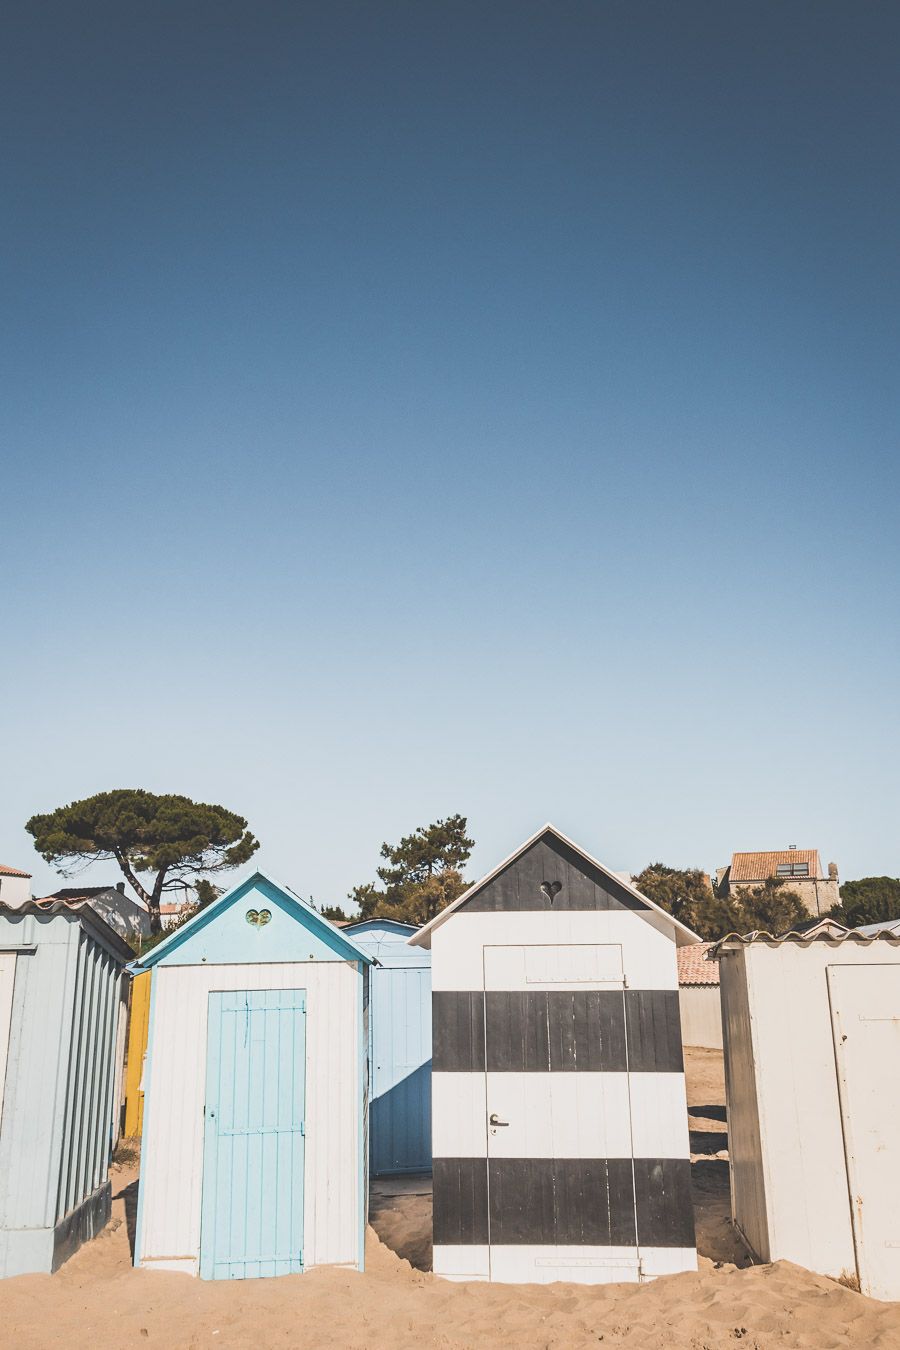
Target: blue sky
x,y
421,408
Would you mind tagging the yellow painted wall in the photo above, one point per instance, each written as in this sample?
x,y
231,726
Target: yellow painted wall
x,y
138,1027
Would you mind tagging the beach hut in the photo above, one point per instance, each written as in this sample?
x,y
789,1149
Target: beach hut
x,y
399,1048
698,997
559,1122
812,1041
253,1155
61,1023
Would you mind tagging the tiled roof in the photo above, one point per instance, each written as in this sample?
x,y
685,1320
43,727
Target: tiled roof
x,y
759,866
693,967
12,872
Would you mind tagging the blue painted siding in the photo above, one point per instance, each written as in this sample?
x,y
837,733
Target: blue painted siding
x,y
253,1147
229,931
399,1049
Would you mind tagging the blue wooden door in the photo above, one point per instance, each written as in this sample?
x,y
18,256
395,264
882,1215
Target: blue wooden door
x,y
253,1145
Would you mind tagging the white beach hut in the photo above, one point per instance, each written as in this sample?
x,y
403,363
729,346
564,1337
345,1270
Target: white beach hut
x,y
559,1122
812,1044
254,1148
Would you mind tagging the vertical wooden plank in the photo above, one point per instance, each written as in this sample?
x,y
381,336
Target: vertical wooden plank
x,y
252,1223
138,1030
209,1205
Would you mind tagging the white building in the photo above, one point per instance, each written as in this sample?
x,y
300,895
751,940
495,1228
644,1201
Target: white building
x,y
698,996
15,886
812,1043
559,1123
254,1149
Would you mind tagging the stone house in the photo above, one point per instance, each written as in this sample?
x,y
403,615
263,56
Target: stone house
x,y
799,868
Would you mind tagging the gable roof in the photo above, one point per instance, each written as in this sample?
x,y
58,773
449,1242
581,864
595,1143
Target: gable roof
x,y
760,866
391,925
13,872
682,933
887,926
304,912
694,968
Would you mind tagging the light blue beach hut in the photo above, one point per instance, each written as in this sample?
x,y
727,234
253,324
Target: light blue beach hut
x,y
399,1047
62,1020
254,1151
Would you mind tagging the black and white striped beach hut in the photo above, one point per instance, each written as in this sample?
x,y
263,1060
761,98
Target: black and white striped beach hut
x,y
559,1121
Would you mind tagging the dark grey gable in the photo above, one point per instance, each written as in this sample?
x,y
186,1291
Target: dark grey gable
x,y
549,862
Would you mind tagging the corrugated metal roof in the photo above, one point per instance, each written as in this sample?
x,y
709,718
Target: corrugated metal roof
x,y
759,866
86,914
13,872
828,931
888,926
693,966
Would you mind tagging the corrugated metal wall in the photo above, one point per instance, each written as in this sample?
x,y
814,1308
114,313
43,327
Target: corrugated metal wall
x,y
58,1114
34,1095
172,1157
89,1110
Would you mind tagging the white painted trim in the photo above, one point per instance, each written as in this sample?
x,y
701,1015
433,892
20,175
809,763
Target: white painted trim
x,y
548,1265
422,938
461,1262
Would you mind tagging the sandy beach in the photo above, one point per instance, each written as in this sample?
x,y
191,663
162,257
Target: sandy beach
x,y
98,1299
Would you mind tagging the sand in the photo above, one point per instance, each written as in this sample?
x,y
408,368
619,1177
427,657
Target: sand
x,y
97,1299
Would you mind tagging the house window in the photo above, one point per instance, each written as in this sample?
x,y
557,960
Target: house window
x,y
797,869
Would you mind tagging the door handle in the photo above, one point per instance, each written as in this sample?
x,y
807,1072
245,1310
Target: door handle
x,y
494,1119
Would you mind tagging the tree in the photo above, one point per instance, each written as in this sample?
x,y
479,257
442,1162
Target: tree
x,y
685,893
422,876
868,900
206,893
770,908
334,913
171,836
688,895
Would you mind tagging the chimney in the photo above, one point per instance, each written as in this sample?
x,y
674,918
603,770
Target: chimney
x,y
120,887
832,872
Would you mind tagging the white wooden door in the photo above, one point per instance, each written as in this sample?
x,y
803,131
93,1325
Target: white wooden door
x,y
865,1009
554,1025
